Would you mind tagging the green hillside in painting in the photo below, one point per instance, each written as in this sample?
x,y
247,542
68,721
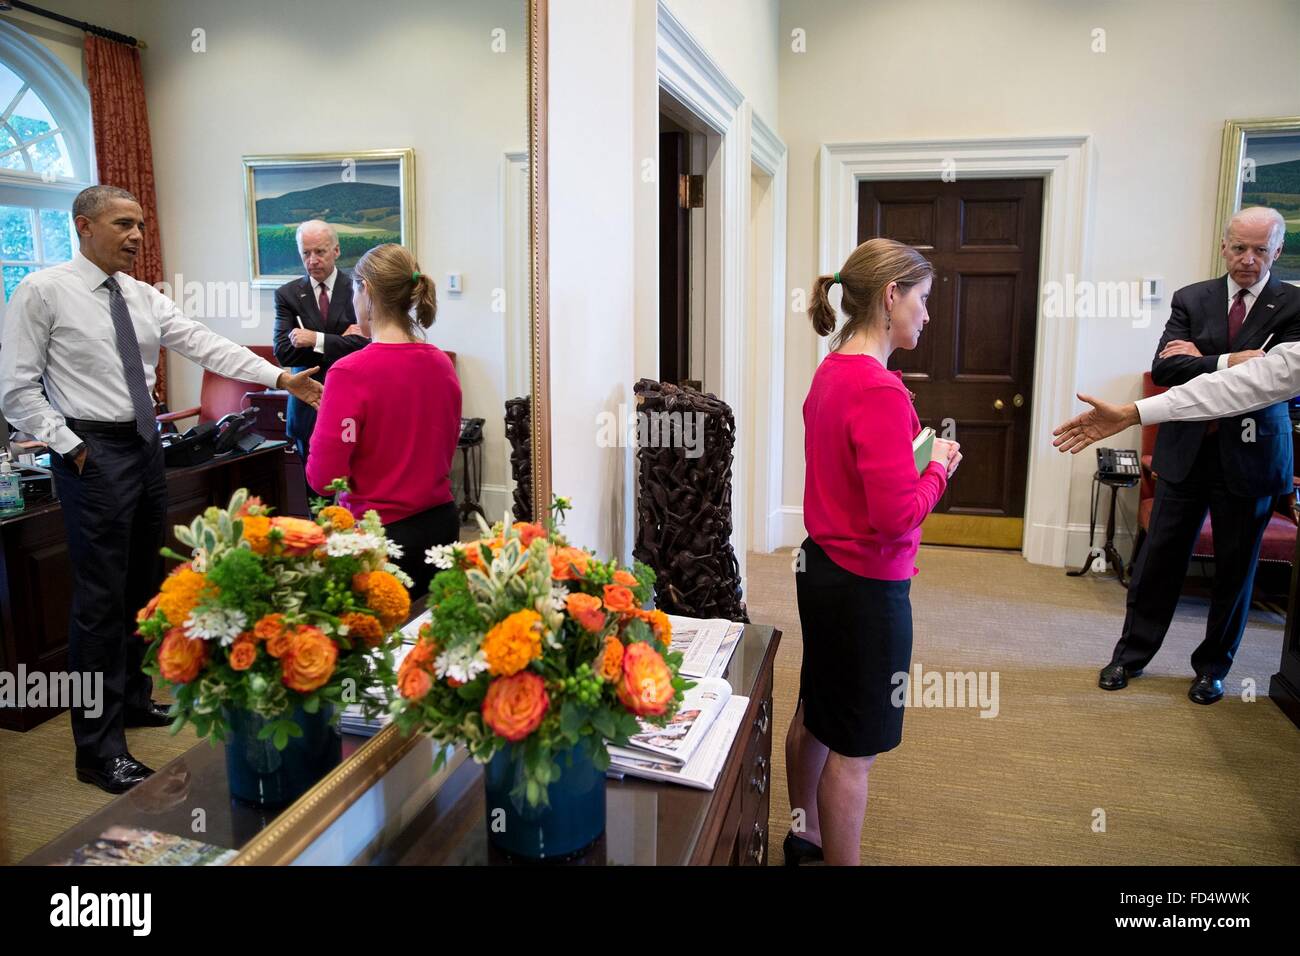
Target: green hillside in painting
x,y
1277,185
364,214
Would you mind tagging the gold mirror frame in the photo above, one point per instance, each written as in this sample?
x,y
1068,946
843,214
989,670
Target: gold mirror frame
x,y
1230,170
295,829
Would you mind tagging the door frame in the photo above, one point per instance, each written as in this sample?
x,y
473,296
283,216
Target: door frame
x,y
1064,164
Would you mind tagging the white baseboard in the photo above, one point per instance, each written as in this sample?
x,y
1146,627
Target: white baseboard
x,y
785,527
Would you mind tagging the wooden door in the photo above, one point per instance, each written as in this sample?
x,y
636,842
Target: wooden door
x,y
674,260
973,370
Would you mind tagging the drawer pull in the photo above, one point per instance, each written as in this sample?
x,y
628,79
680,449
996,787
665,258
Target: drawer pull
x,y
758,844
280,415
764,717
758,782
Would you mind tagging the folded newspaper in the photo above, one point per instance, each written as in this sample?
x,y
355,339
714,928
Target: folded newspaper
x,y
701,770
706,644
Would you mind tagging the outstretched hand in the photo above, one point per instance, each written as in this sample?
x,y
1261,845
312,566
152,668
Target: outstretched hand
x,y
302,386
1101,421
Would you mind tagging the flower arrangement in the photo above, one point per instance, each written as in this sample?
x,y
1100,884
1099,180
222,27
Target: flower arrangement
x,y
271,613
537,645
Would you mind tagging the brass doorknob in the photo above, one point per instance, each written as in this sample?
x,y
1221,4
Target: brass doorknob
x,y
1018,401
999,404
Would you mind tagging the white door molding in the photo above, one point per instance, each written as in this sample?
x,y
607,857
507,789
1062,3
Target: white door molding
x,y
1064,165
697,83
768,155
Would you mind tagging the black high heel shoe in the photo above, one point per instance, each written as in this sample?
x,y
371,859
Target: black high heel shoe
x,y
799,851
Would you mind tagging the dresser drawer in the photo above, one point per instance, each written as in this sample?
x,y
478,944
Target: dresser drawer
x,y
756,786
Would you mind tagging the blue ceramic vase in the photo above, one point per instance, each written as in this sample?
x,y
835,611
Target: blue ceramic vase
x,y
265,777
572,822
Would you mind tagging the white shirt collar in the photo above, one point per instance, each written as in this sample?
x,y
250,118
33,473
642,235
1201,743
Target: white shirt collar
x,y
327,282
1254,290
89,273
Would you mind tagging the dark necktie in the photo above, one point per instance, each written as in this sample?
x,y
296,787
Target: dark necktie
x,y
128,350
1236,316
324,304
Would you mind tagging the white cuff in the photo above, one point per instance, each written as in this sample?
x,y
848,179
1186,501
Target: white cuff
x,y
1154,410
320,342
1222,363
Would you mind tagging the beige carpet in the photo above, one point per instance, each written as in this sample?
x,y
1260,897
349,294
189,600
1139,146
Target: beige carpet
x,y
1178,783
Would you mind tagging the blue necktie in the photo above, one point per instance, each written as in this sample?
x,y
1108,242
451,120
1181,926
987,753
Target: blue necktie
x,y
128,350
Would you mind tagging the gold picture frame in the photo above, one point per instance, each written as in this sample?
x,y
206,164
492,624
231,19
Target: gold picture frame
x,y
1238,169
272,253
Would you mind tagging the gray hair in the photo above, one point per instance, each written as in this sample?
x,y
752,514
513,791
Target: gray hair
x,y
1275,234
316,224
90,202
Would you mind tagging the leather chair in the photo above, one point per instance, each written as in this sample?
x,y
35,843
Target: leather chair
x,y
219,396
1279,537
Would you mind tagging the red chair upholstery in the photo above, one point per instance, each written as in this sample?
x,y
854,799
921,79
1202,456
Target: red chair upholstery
x,y
1279,537
219,396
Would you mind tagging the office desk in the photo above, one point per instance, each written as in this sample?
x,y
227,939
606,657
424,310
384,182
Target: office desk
x,y
36,574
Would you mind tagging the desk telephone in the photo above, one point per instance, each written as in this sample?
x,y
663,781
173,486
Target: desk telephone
x,y
471,431
206,440
1118,464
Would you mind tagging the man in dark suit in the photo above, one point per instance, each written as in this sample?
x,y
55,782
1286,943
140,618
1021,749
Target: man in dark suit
x,y
314,322
1234,467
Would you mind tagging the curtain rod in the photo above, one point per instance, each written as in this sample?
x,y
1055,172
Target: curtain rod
x,y
104,32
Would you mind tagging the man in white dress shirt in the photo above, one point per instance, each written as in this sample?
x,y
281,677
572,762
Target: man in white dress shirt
x,y
80,345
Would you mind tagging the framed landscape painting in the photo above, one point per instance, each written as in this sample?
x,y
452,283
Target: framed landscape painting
x,y
1261,167
368,197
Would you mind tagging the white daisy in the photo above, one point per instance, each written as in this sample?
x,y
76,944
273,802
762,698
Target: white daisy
x,y
341,545
216,624
462,663
441,556
395,550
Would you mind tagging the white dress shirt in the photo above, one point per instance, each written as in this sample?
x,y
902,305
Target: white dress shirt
x,y
58,332
1245,387
1252,294
328,284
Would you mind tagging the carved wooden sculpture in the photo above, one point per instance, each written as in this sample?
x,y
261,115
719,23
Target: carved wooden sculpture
x,y
520,435
685,442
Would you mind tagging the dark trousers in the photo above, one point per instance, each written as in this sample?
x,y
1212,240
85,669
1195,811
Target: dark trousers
x,y
1176,519
303,446
417,534
114,513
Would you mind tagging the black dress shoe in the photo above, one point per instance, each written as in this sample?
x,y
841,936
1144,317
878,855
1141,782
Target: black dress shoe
x,y
1206,689
115,774
154,716
1115,676
798,850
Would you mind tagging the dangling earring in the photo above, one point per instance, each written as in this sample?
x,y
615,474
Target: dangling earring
x,y
887,320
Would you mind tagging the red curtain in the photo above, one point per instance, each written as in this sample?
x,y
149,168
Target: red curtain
x,y
123,152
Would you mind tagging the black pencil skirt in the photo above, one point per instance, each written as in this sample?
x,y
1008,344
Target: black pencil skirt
x,y
857,635
418,533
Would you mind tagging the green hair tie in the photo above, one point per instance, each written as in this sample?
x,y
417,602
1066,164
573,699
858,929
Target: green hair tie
x,y
414,276
836,280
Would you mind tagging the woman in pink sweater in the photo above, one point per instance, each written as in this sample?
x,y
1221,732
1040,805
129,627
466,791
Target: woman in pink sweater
x,y
863,506
389,420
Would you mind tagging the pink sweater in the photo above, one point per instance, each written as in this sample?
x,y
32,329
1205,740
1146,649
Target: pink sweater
x,y
389,420
863,501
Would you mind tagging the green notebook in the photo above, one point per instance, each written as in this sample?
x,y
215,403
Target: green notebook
x,y
922,448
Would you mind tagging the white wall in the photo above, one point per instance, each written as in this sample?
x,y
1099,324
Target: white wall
x,y
1154,104
327,76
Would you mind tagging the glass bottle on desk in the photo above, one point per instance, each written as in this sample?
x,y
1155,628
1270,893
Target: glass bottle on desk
x,y
11,492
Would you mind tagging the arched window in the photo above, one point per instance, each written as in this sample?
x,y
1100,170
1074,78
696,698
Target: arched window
x,y
45,156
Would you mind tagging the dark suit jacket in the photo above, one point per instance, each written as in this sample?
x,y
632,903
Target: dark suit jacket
x,y
295,300
1199,314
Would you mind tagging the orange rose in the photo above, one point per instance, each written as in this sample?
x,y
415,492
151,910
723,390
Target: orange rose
x,y
339,517
298,535
180,658
586,610
242,653
384,595
647,685
514,706
619,599
626,578
660,625
309,661
609,663
414,683
268,626
528,532
255,531
565,561
422,654
511,644
147,611
363,627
